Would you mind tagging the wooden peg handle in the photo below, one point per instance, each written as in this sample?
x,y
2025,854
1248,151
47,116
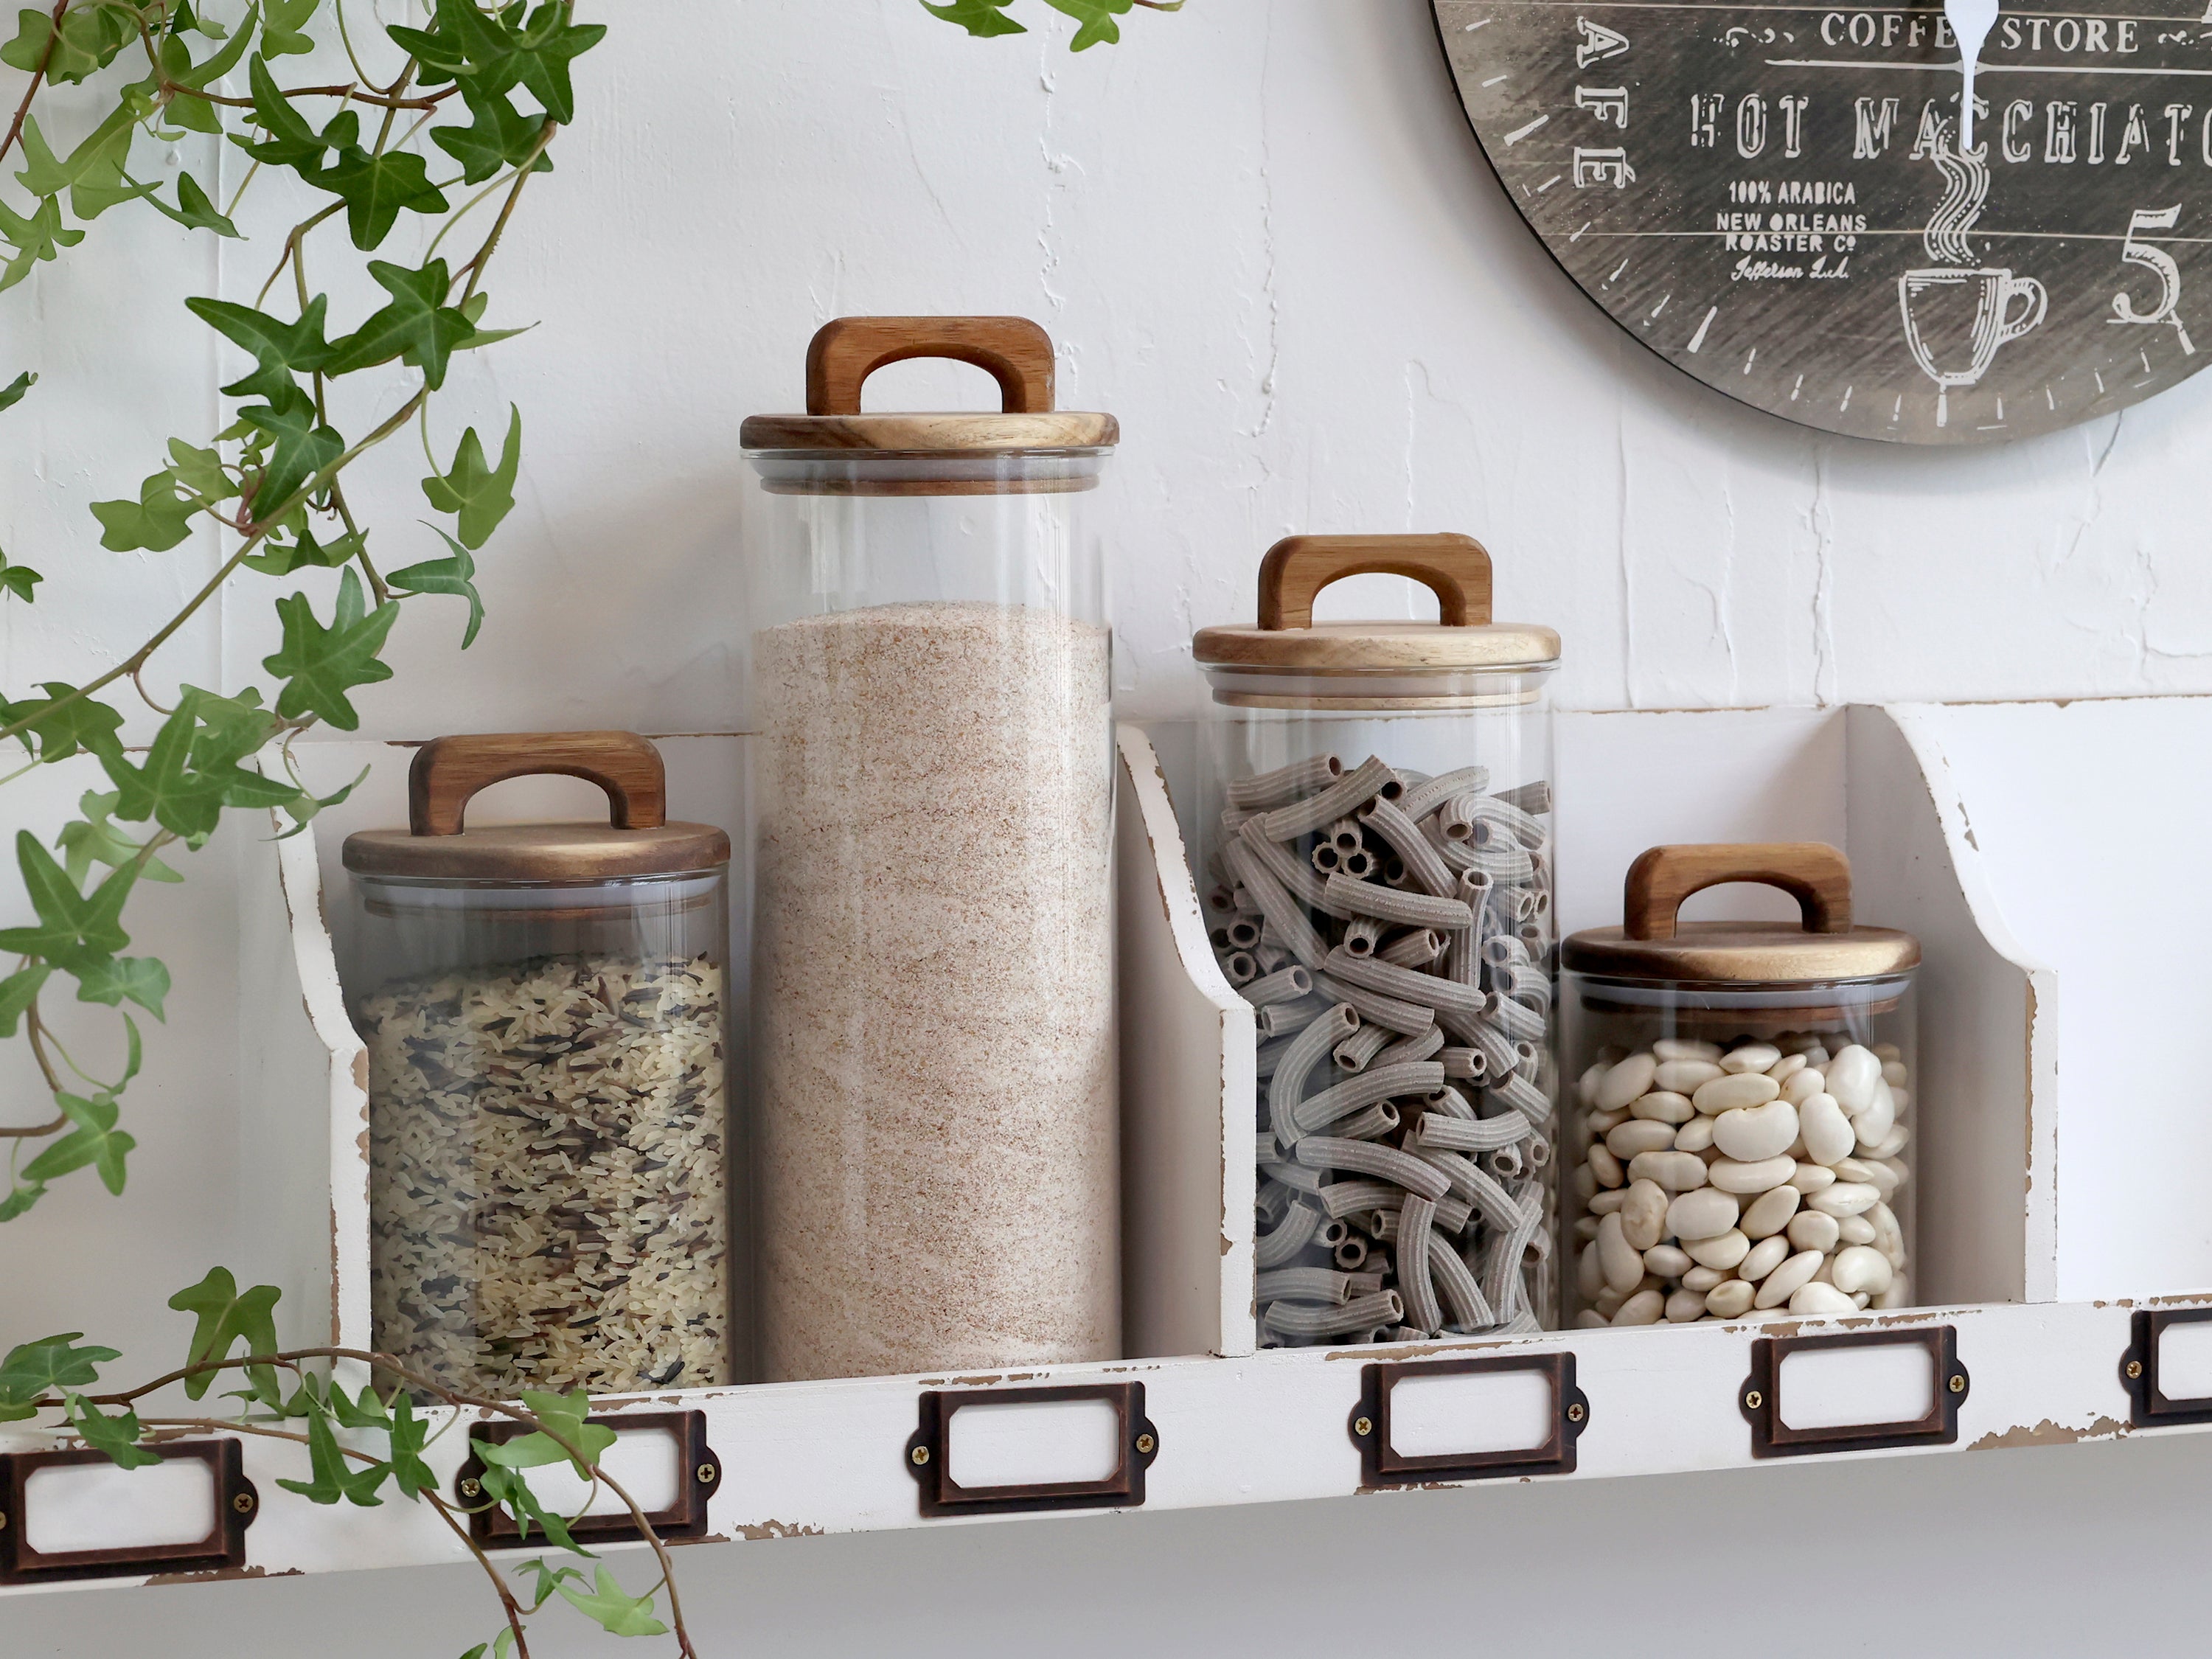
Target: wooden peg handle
x,y
1455,569
1012,351
1813,872
448,771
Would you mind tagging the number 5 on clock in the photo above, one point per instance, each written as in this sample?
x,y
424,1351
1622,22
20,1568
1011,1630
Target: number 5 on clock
x,y
2155,259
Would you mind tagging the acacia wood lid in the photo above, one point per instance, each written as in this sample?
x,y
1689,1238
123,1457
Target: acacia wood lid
x,y
637,840
1651,944
1455,569
1013,351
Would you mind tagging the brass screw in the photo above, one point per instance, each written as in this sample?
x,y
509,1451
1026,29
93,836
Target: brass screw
x,y
921,1455
472,1488
243,1503
1144,1444
1362,1427
4,1520
705,1475
1957,1382
2134,1370
1574,1414
1753,1400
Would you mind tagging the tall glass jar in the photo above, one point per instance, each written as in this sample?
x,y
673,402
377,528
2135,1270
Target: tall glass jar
x,y
1377,822
1744,1096
546,1012
933,832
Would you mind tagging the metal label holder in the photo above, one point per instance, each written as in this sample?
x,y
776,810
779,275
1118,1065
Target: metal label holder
x,y
698,1477
224,1550
1759,1397
2149,1406
1381,1465
942,1496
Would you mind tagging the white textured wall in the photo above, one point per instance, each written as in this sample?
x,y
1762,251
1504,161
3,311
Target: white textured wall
x,y
1265,240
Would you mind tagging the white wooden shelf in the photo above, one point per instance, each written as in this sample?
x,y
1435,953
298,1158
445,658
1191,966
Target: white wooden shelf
x,y
1956,820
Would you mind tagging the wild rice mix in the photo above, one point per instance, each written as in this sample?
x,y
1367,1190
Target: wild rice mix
x,y
546,1188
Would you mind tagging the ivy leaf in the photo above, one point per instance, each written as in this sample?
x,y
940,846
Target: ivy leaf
x,y
284,30
500,136
334,1478
497,53
94,1141
279,348
455,575
511,1489
17,992
157,521
93,174
321,665
93,840
300,447
73,928
289,141
978,17
86,42
116,1435
569,1416
34,239
18,579
618,1611
167,790
206,75
1096,17
64,728
223,1318
282,558
481,494
418,324
12,393
201,472
410,1434
193,209
38,1368
374,188
144,980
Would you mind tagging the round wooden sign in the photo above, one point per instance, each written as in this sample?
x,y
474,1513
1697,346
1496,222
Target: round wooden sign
x,y
1777,198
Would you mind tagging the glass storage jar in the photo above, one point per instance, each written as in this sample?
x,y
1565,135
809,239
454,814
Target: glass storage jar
x,y
545,1007
1377,821
1744,1091
933,808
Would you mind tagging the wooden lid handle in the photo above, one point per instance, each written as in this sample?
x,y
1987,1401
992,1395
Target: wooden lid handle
x,y
1813,872
1012,351
1455,569
448,771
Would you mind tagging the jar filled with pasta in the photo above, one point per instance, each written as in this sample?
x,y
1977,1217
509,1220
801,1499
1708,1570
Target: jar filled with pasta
x,y
933,833
546,1012
1744,1099
1377,835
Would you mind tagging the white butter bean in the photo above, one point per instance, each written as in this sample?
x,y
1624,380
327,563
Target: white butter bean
x,y
1663,1107
1785,1280
1729,1298
1643,1215
1887,1051
1607,1202
1724,1094
1585,1228
1801,1086
1685,1048
1601,1124
1770,1212
1621,1085
1883,1178
1585,1182
1880,1117
1811,1230
1764,1257
1829,1136
1752,1057
1685,1076
1589,1319
1645,1308
1818,1298
1703,1278
1816,1055
1851,1077
1695,1136
1888,1237
1684,1306
1724,1251
1812,1177
1586,1086
1891,1143
1893,1071
1620,1262
1731,1175
1902,1097
1854,1230
1785,1069
1668,1262
1589,1277
1750,1134
1678,1172
1860,1267
1705,1212
1608,1303
1898,1295
1844,1198
1639,1135
1606,1166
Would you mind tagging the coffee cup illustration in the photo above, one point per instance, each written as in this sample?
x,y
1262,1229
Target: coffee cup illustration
x,y
1957,316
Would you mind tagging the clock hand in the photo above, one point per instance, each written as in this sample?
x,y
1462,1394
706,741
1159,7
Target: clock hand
x,y
1971,21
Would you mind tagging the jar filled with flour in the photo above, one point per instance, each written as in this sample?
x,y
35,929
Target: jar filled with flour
x,y
1377,839
932,795
1744,1099
546,1010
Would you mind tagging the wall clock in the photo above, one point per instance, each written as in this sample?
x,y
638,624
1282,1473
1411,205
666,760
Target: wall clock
x,y
1778,199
